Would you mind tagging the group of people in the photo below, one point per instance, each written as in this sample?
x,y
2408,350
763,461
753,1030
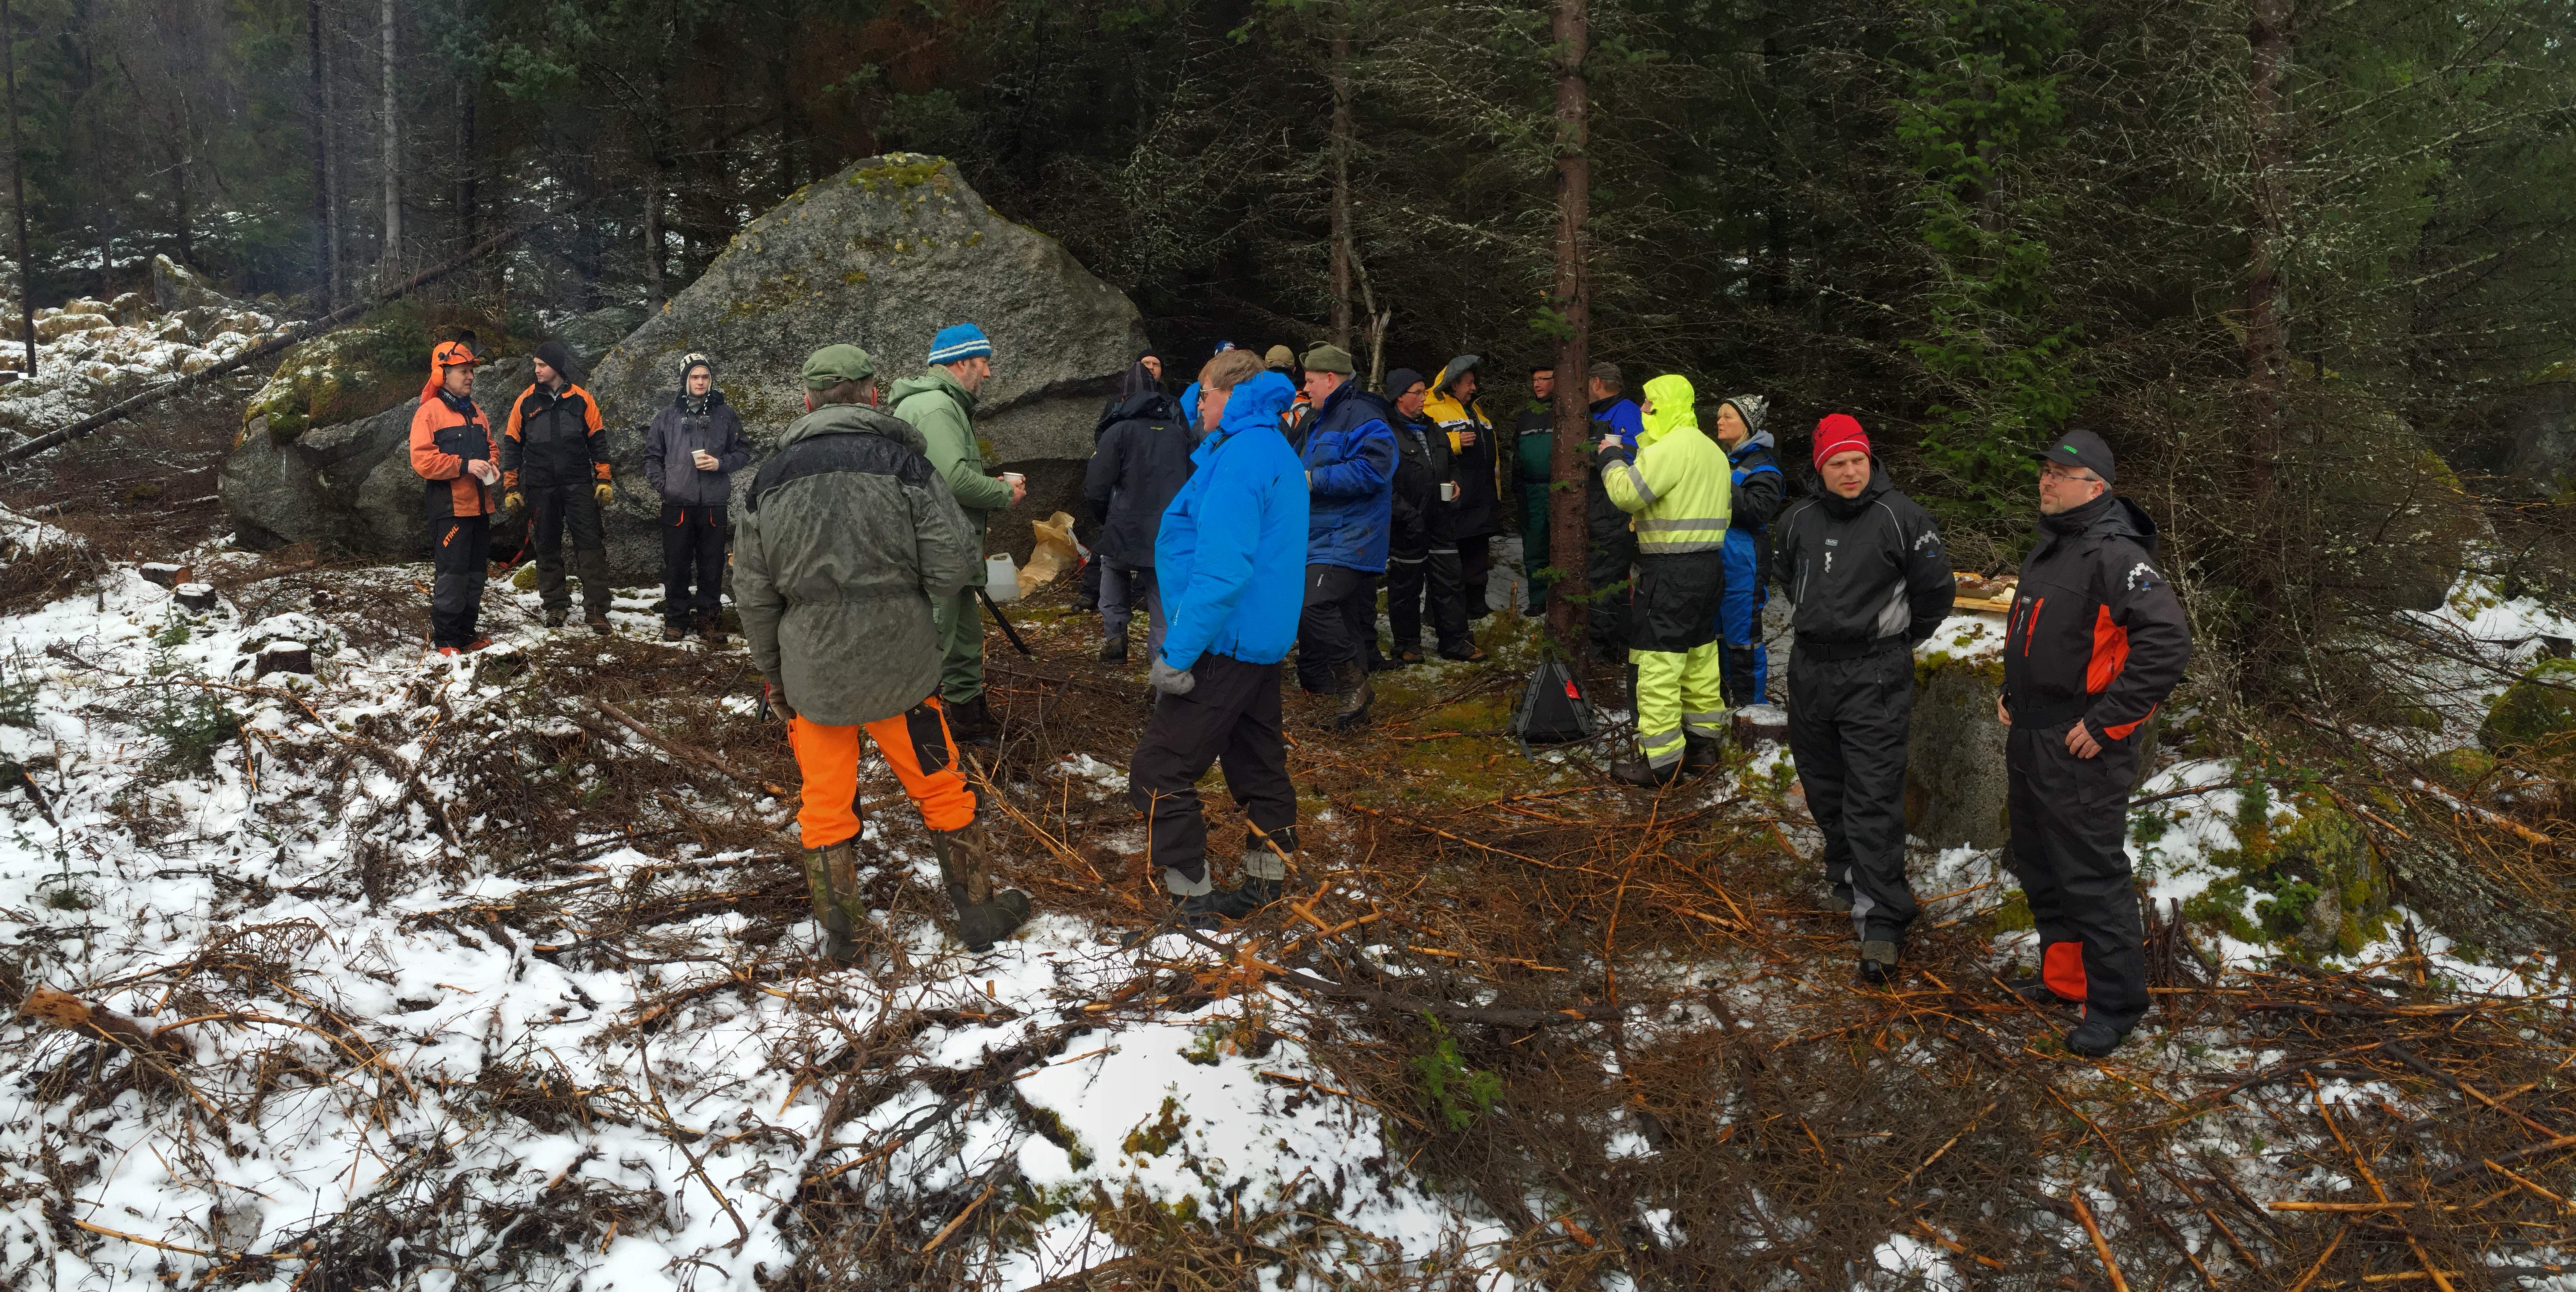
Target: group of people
x,y
1258,512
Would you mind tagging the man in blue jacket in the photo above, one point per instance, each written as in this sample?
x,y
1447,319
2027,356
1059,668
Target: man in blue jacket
x,y
1350,477
1229,554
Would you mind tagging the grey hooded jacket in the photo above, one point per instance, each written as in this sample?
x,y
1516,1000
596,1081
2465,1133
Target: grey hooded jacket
x,y
846,537
676,436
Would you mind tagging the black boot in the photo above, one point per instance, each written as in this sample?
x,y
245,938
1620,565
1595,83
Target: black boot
x,y
1699,753
2035,989
1637,771
984,917
2093,1038
1351,684
1113,649
970,722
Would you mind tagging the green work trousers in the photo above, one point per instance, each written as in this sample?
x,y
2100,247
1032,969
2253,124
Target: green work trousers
x,y
959,621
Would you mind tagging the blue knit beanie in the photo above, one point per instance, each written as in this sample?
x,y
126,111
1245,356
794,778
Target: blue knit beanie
x,y
959,341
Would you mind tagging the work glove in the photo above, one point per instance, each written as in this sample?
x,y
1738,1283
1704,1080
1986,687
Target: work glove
x,y
514,501
605,492
1170,680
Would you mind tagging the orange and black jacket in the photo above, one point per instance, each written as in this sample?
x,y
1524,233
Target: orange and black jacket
x,y
448,431
2096,632
554,439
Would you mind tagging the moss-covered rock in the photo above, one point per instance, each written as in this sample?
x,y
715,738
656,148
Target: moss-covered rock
x,y
2536,716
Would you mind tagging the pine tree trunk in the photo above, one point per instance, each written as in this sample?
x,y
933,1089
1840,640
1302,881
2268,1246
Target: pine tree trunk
x,y
1341,158
179,194
1571,298
326,251
391,257
18,186
653,289
2266,349
468,217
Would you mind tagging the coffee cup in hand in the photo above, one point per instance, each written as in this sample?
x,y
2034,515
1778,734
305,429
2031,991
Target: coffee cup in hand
x,y
1019,485
706,461
1448,491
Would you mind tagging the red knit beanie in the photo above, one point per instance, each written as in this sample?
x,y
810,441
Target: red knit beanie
x,y
1838,432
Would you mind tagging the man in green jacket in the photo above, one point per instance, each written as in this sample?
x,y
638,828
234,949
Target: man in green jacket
x,y
845,542
940,403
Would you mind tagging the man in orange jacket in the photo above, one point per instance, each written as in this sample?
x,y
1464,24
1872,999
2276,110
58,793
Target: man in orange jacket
x,y
554,448
452,450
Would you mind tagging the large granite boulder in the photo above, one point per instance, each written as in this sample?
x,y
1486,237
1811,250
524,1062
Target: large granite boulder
x,y
349,487
882,256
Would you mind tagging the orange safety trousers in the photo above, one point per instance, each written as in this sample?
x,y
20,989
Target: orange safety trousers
x,y
915,743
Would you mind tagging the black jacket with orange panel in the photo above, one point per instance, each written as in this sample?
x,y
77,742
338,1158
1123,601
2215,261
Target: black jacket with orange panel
x,y
2095,632
448,431
554,439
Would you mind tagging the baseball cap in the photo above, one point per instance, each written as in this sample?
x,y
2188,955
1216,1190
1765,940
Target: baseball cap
x,y
834,364
2082,449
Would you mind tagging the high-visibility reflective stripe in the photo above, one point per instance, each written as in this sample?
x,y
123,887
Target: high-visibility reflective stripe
x,y
1666,546
1637,481
1651,741
1701,721
1645,524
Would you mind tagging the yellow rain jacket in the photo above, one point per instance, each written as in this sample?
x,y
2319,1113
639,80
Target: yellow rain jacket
x,y
1678,487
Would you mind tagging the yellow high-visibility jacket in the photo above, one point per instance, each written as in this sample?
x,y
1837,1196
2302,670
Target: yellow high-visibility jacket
x,y
1678,487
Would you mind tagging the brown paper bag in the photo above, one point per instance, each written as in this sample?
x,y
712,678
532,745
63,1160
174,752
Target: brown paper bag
x,y
1057,551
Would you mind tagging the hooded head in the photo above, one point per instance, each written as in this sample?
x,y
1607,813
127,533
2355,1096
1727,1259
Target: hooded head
x,y
1257,403
1458,367
1140,380
1673,404
558,356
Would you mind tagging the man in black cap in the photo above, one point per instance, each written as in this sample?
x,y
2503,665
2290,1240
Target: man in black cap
x,y
2095,642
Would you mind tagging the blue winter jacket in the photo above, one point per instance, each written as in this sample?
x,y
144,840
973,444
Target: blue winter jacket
x,y
1231,557
1350,462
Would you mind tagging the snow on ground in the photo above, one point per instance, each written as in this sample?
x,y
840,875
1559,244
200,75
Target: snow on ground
x,y
91,353
217,907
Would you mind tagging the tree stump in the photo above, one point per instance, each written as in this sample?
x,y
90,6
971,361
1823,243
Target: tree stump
x,y
164,573
284,657
195,596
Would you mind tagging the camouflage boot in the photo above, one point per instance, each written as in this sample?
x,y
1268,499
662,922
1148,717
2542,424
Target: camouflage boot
x,y
984,917
832,883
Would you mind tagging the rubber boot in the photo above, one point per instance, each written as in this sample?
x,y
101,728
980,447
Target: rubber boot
x,y
984,917
1351,684
832,883
2093,1038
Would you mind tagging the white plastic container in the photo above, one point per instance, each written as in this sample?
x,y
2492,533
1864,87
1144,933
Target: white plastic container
x,y
1001,579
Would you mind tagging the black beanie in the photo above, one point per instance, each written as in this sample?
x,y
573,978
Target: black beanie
x,y
558,356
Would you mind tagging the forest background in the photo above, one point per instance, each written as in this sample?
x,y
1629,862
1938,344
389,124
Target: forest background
x,y
2304,262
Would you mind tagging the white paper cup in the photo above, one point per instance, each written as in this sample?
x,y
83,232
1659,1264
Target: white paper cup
x,y
1015,477
1448,491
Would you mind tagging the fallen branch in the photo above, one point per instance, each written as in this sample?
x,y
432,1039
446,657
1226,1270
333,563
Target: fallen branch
x,y
69,1012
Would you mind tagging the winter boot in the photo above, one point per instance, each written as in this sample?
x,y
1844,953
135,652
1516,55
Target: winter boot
x,y
1203,905
1265,870
1113,649
1877,965
2035,989
1464,651
1351,686
598,624
984,917
1700,753
2093,1038
555,617
1637,771
970,722
832,882
672,632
